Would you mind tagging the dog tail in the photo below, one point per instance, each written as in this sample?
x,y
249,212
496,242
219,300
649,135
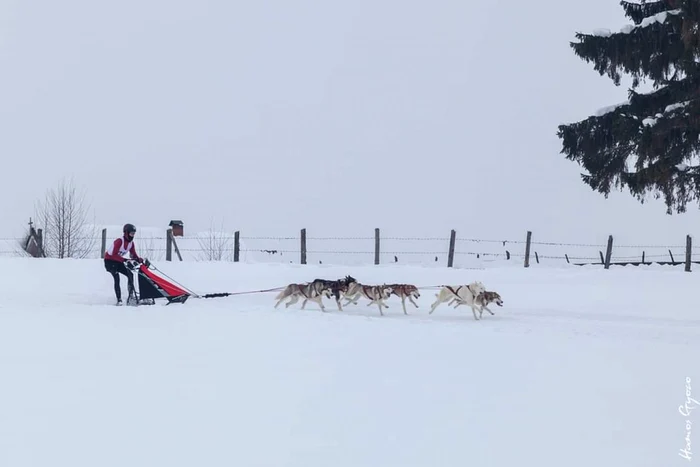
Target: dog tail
x,y
281,294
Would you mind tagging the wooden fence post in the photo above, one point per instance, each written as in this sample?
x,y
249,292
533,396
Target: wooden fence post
x,y
168,245
104,243
376,246
303,246
451,251
608,252
528,241
173,243
688,252
236,246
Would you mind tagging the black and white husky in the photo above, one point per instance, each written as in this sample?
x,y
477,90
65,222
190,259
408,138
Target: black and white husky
x,y
337,287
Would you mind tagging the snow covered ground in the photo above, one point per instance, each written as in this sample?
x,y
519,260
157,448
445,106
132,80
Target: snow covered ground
x,y
581,367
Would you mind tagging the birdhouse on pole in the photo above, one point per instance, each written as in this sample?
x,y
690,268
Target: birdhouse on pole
x,y
178,228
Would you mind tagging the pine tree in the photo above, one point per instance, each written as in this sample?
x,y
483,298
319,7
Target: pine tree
x,y
651,143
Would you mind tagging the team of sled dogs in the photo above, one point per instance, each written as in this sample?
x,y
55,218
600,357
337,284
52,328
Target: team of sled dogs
x,y
473,295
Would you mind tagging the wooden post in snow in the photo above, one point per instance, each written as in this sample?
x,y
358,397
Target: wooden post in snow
x,y
174,244
236,245
168,245
451,251
376,246
528,241
608,252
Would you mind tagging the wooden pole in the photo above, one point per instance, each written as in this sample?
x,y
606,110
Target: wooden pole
x,y
688,252
451,251
528,241
303,246
608,252
236,246
169,245
174,244
104,243
376,246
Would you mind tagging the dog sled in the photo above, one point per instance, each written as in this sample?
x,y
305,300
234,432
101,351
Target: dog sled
x,y
152,286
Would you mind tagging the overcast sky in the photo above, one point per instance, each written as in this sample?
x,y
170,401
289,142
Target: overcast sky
x,y
413,116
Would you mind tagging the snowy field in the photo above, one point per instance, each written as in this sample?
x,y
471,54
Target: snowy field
x,y
581,367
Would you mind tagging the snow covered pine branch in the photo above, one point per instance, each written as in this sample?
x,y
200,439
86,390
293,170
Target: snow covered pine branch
x,y
651,142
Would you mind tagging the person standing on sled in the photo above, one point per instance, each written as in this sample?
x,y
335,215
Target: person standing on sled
x,y
115,259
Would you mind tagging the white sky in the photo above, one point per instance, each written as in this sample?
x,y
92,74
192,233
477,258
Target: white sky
x,y
412,116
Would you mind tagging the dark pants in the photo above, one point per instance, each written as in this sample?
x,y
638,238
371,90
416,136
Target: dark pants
x,y
115,268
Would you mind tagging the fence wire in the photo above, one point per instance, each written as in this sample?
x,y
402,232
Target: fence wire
x,y
392,249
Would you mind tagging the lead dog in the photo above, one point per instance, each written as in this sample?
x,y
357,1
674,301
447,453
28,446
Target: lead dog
x,y
313,291
464,293
374,293
482,300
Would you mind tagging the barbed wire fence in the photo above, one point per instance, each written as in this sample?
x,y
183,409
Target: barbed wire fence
x,y
449,251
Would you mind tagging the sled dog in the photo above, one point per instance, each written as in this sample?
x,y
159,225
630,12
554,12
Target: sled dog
x,y
482,301
336,288
464,293
374,293
312,291
404,291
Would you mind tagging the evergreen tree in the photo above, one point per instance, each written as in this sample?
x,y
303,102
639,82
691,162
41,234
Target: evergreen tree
x,y
651,143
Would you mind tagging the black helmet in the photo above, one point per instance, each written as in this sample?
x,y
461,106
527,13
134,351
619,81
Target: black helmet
x,y
129,228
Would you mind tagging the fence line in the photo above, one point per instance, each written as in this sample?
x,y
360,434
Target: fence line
x,y
218,246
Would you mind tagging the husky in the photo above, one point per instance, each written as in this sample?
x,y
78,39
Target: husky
x,y
404,291
464,293
486,298
312,291
482,300
336,288
374,293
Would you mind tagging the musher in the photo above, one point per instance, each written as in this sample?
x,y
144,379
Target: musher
x,y
115,259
